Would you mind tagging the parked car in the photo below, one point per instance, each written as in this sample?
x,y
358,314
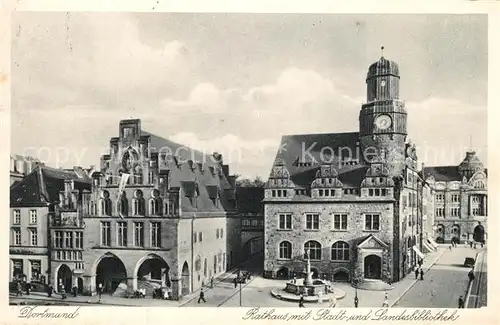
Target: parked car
x,y
469,262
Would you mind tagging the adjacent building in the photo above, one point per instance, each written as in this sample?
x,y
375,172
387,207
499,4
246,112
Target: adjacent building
x,y
156,216
34,203
348,201
460,199
21,166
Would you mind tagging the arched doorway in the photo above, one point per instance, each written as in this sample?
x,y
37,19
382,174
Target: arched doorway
x,y
185,279
373,267
455,233
110,271
341,276
479,233
282,273
440,234
64,278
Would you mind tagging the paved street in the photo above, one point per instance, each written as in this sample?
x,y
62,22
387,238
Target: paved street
x,y
443,283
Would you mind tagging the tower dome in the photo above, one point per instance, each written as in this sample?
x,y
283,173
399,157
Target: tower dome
x,y
470,165
383,67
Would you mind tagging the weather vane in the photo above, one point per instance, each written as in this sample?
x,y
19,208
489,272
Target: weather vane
x,y
382,50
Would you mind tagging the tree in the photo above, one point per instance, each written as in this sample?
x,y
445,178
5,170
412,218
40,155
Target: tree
x,y
245,182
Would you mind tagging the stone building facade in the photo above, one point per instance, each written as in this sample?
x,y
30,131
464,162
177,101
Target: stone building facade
x,y
460,201
166,227
348,200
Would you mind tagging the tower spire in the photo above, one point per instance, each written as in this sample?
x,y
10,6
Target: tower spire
x,y
382,50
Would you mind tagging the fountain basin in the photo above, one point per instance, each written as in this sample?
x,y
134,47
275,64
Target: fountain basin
x,y
299,287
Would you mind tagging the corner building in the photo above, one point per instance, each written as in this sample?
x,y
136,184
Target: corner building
x,y
168,226
349,199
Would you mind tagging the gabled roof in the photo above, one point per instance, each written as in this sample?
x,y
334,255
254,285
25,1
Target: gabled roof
x,y
372,241
250,199
42,186
307,148
184,174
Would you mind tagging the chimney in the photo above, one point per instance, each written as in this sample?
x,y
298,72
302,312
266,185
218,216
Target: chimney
x,y
225,170
217,158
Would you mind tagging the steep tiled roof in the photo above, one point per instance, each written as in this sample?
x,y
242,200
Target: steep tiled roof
x,y
43,185
185,174
295,149
250,199
442,173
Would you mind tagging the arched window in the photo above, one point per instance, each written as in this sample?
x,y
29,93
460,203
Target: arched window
x,y
158,206
314,249
479,185
285,250
340,251
152,206
139,204
123,205
197,263
105,204
156,203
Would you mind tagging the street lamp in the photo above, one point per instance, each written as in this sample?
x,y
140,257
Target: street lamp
x,y
356,300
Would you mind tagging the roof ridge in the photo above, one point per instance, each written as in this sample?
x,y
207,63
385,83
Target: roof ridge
x,y
143,132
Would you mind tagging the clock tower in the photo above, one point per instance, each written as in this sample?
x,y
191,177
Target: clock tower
x,y
382,120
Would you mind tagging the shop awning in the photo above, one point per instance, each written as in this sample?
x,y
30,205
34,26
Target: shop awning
x,y
419,253
433,243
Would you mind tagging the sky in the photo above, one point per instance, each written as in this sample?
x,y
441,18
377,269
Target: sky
x,y
235,83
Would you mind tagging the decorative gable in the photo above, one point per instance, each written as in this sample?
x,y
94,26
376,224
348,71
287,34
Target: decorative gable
x,y
326,177
372,242
280,176
377,176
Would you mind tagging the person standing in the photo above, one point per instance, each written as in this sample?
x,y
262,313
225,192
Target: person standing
x,y
471,275
421,274
19,288
461,302
417,271
301,301
202,296
51,290
99,291
212,280
63,293
356,302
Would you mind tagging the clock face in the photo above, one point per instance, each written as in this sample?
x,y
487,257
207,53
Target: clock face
x,y
382,83
383,122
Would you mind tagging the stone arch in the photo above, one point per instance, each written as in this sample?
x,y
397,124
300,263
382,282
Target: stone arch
x,y
373,267
283,272
64,278
341,274
110,271
153,267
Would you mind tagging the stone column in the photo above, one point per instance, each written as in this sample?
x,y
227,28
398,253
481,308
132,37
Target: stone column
x,y
176,289
89,285
132,283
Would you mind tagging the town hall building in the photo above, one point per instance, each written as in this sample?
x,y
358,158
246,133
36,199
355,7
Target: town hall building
x,y
348,201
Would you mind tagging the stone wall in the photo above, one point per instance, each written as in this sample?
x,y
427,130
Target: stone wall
x,y
326,236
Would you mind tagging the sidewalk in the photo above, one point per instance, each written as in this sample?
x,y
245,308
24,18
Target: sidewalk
x,y
372,299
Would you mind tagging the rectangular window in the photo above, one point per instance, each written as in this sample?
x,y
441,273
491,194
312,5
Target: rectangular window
x,y
254,223
370,192
200,237
33,237
372,222
377,192
455,212
68,239
312,221
35,270
384,192
439,212
33,217
155,234
273,193
320,192
195,237
18,271
285,221
58,239
138,234
105,233
121,234
439,198
16,236
455,198
340,221
16,217
79,240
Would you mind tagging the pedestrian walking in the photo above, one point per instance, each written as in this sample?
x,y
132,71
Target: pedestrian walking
x,y
235,282
301,301
212,280
50,290
28,288
421,274
356,302
470,244
385,304
461,302
202,296
471,275
99,291
294,281
63,293
417,271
